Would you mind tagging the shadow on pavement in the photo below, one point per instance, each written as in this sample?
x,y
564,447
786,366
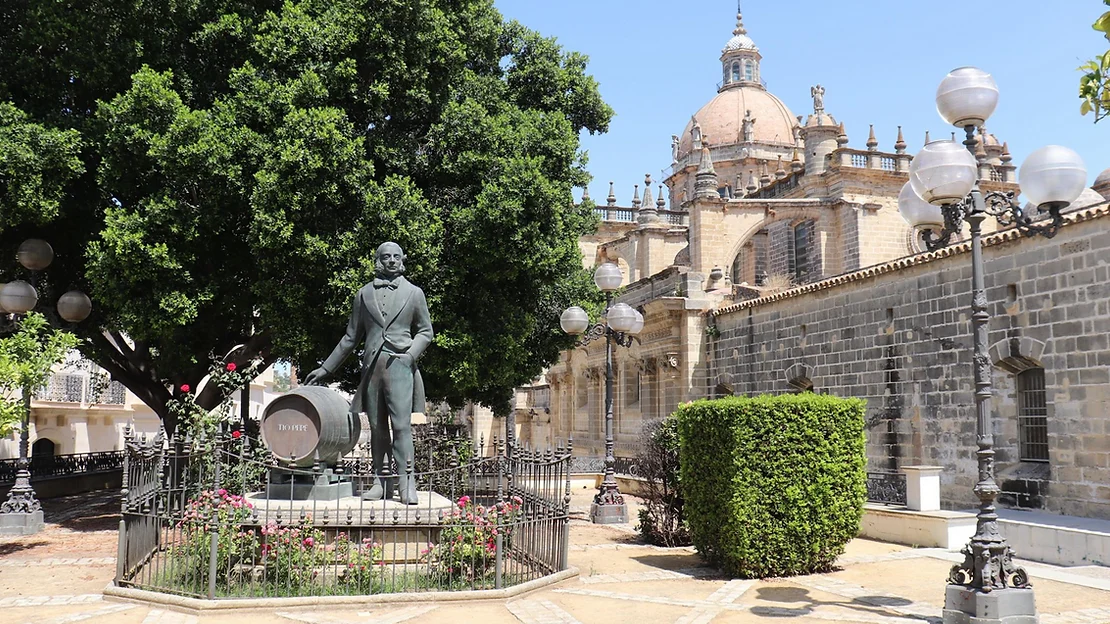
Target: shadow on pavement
x,y
89,511
872,605
10,548
677,561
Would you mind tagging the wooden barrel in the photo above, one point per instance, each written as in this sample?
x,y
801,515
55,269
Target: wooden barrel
x,y
307,421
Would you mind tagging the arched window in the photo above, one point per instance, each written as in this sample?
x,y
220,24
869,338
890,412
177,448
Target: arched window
x,y
1032,416
735,72
725,76
749,71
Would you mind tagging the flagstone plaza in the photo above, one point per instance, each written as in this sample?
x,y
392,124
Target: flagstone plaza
x,y
57,577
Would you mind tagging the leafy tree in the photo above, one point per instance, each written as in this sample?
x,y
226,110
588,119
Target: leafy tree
x,y
240,160
26,358
1094,86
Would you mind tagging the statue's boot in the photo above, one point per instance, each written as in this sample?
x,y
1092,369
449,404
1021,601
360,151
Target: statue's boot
x,y
407,489
376,491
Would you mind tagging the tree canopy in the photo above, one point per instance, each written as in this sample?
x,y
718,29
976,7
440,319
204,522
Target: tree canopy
x,y
219,172
1094,86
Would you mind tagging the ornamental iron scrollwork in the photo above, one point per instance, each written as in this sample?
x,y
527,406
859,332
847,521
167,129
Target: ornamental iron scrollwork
x,y
886,487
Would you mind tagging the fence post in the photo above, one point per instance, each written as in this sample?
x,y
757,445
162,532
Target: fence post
x,y
213,554
121,545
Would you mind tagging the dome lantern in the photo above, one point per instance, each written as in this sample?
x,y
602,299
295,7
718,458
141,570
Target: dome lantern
x,y
740,58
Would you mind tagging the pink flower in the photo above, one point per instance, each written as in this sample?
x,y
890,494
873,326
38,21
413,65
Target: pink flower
x,y
231,367
308,541
236,434
185,388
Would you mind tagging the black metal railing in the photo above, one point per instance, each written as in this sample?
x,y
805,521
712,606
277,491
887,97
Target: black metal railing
x,y
886,487
63,465
219,519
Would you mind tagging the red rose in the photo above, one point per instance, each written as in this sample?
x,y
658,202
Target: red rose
x,y
185,387
231,366
236,434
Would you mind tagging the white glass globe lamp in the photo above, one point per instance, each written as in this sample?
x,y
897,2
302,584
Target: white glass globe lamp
x,y
18,297
1053,174
967,97
74,306
608,277
917,211
574,320
621,317
943,172
638,325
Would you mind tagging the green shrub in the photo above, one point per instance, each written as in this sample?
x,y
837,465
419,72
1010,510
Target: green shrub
x,y
774,485
661,517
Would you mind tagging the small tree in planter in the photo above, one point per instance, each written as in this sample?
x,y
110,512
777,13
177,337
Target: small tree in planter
x,y
661,518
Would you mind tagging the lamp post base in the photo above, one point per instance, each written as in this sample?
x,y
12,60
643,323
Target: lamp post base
x,y
608,506
21,523
963,605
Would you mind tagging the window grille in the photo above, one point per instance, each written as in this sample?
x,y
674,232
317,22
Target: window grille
x,y
1032,416
803,239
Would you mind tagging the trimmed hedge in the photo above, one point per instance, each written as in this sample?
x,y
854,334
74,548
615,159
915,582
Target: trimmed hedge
x,y
774,485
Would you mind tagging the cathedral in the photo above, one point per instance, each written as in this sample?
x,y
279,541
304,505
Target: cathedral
x,y
772,258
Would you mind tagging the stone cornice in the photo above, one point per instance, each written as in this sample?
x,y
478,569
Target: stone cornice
x,y
996,238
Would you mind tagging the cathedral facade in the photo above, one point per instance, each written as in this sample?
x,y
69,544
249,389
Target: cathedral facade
x,y
772,258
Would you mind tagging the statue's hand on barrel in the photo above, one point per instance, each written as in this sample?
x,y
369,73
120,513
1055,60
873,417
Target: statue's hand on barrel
x,y
316,377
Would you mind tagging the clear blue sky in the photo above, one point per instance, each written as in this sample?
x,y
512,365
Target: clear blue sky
x,y
879,60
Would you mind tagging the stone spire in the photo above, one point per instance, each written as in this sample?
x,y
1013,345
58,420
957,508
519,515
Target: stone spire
x,y
752,186
927,139
612,199
660,204
780,172
841,136
636,197
705,186
585,194
648,212
738,188
764,177
1006,157
795,163
900,144
872,142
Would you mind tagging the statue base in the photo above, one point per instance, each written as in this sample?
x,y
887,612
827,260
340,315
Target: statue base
x,y
403,531
19,523
963,605
323,487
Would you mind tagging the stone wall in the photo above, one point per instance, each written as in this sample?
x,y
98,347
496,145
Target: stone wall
x,y
899,336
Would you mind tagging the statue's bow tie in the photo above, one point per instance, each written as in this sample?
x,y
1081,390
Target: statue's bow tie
x,y
380,283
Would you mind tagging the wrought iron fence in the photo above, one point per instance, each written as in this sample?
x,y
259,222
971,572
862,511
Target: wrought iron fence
x,y
621,465
886,487
62,465
220,519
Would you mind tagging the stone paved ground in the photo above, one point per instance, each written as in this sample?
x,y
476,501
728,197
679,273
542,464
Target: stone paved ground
x,y
56,577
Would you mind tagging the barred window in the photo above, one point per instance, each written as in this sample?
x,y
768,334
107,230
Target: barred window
x,y
749,71
1032,416
800,260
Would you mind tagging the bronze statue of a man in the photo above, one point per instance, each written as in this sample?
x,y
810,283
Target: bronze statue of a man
x,y
392,314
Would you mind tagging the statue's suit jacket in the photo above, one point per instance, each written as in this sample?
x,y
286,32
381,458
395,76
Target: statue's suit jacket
x,y
408,329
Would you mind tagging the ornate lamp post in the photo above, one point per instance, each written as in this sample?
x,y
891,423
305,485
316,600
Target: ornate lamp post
x,y
620,325
942,194
21,514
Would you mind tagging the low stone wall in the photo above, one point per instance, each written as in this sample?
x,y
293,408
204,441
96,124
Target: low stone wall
x,y
65,485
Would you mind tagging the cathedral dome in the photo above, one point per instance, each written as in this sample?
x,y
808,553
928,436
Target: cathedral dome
x,y
721,120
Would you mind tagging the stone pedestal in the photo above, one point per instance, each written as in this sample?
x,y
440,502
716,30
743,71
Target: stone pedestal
x,y
1001,606
21,523
922,487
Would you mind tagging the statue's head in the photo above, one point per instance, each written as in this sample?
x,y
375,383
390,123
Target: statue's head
x,y
389,260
